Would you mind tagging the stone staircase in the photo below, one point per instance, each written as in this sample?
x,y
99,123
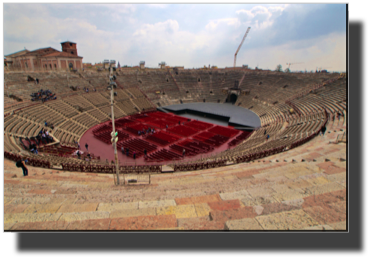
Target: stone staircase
x,y
274,193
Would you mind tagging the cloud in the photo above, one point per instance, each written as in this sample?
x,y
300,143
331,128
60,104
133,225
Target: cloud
x,y
190,35
213,24
260,17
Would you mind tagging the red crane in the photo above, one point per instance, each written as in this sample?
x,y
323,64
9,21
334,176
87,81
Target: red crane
x,y
246,33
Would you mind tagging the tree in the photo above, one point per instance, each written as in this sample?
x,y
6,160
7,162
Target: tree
x,y
278,68
287,70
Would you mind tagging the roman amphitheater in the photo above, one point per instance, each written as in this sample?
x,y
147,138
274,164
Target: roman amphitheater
x,y
231,178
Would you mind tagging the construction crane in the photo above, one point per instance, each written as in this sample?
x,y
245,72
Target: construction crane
x,y
246,33
292,64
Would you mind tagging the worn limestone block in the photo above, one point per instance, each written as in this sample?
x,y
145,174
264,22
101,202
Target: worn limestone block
x,y
243,224
42,208
30,217
98,224
144,222
78,207
181,211
77,216
50,225
121,213
235,195
289,220
117,206
160,203
198,199
202,209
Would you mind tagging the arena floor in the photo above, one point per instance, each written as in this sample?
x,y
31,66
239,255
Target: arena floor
x,y
105,151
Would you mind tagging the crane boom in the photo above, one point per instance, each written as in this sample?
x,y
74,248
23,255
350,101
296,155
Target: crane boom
x,y
246,33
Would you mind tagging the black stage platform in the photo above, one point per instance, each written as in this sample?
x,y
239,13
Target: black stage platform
x,y
235,116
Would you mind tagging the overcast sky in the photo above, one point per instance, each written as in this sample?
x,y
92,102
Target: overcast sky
x,y
190,35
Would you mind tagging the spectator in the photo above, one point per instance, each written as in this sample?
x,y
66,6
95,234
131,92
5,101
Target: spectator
x,y
86,145
268,137
21,163
127,152
122,150
78,153
78,146
183,152
166,126
145,152
134,155
265,132
323,130
38,81
44,137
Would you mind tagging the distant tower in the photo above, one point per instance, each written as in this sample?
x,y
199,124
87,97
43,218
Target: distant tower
x,y
142,64
70,47
162,65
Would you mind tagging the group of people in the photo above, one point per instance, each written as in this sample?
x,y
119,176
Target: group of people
x,y
126,152
44,137
43,95
33,149
146,131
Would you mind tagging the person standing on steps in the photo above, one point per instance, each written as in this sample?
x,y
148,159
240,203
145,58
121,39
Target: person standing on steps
x,y
323,130
122,150
145,152
134,155
86,145
127,152
21,163
183,152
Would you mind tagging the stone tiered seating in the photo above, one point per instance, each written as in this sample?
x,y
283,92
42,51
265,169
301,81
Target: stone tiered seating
x,y
79,102
63,108
96,99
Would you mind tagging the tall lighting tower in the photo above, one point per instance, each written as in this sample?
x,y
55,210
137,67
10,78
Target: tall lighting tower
x,y
246,33
114,137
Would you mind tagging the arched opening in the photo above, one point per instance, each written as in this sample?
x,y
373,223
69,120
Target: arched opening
x,y
71,65
26,64
45,66
55,66
260,83
199,79
50,66
233,98
72,52
167,80
187,91
210,91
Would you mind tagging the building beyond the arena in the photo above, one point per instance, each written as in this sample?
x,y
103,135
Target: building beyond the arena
x,y
46,58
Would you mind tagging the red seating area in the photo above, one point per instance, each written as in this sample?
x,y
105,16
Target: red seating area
x,y
102,128
160,115
137,145
162,138
175,119
122,122
136,127
183,130
105,136
228,132
199,125
244,135
166,144
163,155
193,147
211,138
204,135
